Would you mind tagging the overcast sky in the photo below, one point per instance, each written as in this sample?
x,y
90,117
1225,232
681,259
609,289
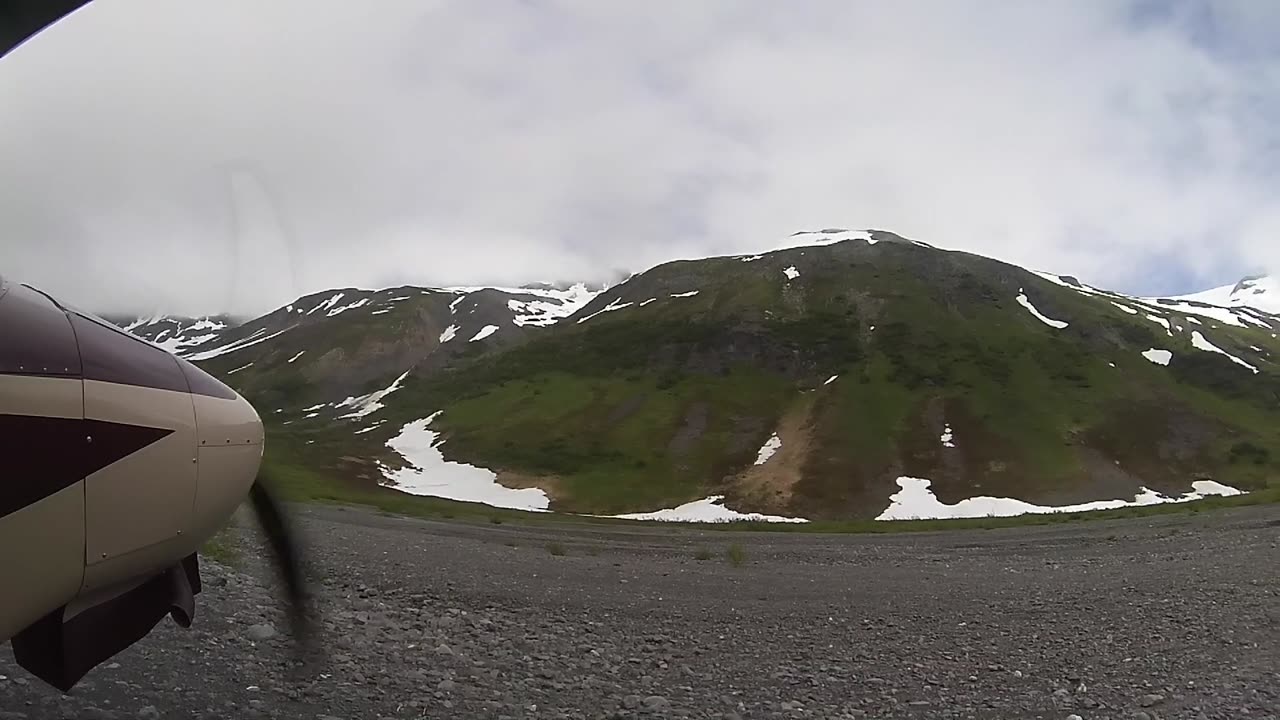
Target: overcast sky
x,y
203,156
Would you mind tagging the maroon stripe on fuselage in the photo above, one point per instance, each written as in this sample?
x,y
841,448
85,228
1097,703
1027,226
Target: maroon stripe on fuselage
x,y
43,455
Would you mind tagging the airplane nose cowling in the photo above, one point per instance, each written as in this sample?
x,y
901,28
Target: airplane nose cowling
x,y
229,447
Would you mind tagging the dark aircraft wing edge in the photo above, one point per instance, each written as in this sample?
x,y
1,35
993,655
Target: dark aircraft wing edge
x,y
22,19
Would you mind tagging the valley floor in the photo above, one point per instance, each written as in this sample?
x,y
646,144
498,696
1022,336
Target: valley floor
x,y
1162,617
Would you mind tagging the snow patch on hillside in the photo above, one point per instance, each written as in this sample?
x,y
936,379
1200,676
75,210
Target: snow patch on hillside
x,y
295,357
253,339
371,403
1222,315
326,304
691,293
430,474
350,306
1126,308
1202,343
707,510
916,501
771,446
485,332
791,272
449,333
617,304
1157,356
1162,323
947,437
1024,302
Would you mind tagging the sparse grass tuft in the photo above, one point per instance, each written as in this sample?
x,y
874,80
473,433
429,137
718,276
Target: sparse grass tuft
x,y
556,549
495,520
702,554
221,548
736,555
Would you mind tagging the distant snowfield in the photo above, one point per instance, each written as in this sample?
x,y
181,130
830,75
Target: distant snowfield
x,y
254,339
916,501
707,510
822,237
1262,293
537,306
552,305
1243,308
432,475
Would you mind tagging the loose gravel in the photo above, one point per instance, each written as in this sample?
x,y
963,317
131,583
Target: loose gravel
x,y
1145,619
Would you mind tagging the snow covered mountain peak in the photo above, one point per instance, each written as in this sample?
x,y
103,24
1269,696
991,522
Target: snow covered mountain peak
x,y
1261,292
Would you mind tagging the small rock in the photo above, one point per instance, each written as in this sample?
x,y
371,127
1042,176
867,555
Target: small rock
x,y
260,632
656,703
149,713
447,686
1074,717
1149,700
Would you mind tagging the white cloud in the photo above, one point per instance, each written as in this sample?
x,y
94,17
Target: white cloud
x,y
460,142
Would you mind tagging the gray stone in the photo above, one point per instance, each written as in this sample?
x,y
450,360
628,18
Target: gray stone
x,y
260,632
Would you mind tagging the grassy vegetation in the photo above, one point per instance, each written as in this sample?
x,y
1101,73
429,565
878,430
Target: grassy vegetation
x,y
302,485
735,555
222,547
654,406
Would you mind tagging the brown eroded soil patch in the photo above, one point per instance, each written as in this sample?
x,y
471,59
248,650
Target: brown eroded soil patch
x,y
549,484
768,487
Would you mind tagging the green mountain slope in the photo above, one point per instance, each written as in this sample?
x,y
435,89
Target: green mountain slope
x,y
664,389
